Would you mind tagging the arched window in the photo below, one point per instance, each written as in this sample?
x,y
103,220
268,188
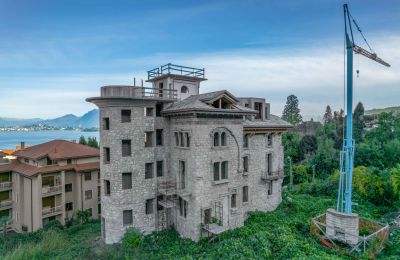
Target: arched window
x,y
184,89
223,139
216,139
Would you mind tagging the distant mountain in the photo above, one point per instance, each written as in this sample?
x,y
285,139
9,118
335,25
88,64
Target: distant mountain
x,y
5,121
376,111
88,120
67,120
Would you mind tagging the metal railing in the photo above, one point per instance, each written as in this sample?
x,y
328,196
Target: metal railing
x,y
5,185
6,203
51,189
176,70
49,211
272,175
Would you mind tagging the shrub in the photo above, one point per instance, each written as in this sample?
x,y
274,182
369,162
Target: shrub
x,y
132,239
83,216
53,225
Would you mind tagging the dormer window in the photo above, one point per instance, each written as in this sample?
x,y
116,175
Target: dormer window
x,y
184,90
222,103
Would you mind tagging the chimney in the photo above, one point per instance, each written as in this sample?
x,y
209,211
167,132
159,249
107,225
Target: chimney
x,y
22,145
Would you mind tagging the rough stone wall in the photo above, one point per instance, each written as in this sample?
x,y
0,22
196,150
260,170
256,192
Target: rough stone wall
x,y
142,189
201,191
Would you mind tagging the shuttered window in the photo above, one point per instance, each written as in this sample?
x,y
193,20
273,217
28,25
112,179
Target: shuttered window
x,y
148,171
127,217
126,180
126,147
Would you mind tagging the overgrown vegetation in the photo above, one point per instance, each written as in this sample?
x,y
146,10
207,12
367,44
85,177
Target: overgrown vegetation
x,y
282,234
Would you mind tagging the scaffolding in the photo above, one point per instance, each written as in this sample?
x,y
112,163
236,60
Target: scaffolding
x,y
212,220
166,204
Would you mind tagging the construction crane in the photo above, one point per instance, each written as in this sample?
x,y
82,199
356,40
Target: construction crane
x,y
344,203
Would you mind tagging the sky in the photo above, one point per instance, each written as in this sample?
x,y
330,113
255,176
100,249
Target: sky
x,y
54,54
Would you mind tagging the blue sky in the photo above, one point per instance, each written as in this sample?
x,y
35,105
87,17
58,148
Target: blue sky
x,y
54,54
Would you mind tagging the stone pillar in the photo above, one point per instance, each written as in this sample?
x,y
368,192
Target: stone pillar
x,y
342,227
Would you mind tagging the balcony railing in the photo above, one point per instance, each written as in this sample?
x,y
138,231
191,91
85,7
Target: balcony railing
x,y
51,189
50,211
272,175
6,203
8,225
5,185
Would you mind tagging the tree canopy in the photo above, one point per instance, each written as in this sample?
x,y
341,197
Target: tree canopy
x,y
291,112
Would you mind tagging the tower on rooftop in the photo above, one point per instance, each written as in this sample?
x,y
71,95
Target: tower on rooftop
x,y
185,80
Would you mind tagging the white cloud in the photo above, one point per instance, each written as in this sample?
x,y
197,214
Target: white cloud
x,y
314,74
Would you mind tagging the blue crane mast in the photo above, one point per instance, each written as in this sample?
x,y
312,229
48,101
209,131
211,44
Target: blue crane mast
x,y
344,203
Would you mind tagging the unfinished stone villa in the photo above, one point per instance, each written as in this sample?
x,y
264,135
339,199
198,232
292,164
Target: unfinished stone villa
x,y
174,157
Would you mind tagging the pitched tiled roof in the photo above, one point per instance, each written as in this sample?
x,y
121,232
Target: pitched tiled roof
x,y
30,170
272,122
199,103
58,149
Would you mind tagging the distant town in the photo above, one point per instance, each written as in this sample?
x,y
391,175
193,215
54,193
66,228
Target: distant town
x,y
45,128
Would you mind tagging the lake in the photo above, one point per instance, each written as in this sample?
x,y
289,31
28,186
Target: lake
x,y
9,140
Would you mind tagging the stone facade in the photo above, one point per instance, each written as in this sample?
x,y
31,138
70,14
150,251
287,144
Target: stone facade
x,y
206,186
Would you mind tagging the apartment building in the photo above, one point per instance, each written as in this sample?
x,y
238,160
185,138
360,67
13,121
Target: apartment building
x,y
171,157
49,181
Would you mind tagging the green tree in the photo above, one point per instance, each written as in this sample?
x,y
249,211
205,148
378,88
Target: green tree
x,y
291,144
328,115
82,140
291,112
326,158
358,122
92,142
307,146
395,180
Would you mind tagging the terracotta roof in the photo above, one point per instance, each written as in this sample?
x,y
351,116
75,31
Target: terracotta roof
x,y
29,170
58,149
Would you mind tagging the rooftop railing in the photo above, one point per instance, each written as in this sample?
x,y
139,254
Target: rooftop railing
x,y
176,70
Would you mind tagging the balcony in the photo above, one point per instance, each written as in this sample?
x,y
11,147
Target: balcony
x,y
8,225
51,190
51,211
4,204
270,176
5,186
